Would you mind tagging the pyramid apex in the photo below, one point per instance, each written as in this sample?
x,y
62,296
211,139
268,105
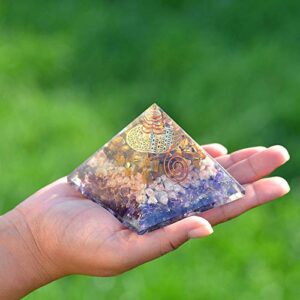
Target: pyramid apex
x,y
154,105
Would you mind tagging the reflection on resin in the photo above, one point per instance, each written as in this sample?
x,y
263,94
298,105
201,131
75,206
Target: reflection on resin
x,y
152,174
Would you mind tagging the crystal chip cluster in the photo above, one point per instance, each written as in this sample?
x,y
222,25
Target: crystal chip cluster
x,y
153,173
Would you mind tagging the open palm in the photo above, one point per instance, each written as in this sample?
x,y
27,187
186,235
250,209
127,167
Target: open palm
x,y
75,235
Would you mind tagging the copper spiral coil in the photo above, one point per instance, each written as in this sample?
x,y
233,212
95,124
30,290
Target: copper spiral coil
x,y
175,167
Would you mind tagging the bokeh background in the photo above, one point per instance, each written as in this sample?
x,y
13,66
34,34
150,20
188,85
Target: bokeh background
x,y
73,73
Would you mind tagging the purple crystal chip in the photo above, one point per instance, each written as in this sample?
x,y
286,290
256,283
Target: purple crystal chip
x,y
153,173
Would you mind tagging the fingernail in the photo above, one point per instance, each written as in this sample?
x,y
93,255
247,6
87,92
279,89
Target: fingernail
x,y
284,184
283,151
261,148
200,232
221,148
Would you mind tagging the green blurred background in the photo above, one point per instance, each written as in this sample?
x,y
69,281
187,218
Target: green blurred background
x,y
73,73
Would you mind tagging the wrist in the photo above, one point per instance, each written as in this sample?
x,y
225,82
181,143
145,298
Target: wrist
x,y
23,266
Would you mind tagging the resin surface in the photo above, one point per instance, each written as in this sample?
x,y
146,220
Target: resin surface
x,y
153,173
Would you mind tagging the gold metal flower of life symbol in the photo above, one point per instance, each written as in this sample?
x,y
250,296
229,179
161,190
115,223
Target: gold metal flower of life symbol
x,y
153,135
140,141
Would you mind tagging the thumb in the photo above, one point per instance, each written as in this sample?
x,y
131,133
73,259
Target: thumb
x,y
159,242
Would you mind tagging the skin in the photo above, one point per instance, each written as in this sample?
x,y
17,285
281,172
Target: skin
x,y
57,232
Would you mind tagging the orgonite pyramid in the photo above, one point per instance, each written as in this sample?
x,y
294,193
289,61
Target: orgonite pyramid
x,y
153,173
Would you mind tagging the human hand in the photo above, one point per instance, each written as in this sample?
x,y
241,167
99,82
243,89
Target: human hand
x,y
67,233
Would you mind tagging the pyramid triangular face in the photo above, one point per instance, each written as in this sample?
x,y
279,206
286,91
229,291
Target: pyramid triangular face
x,y
153,173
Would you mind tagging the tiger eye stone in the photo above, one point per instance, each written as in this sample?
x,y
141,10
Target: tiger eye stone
x,y
120,159
153,173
